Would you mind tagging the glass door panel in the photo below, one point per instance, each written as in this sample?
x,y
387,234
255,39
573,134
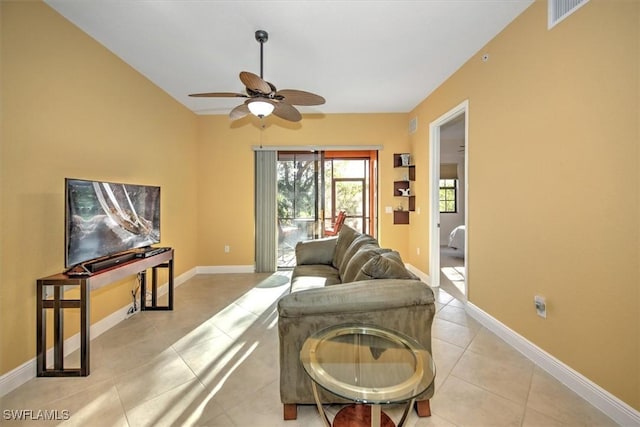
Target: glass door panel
x,y
347,188
298,202
349,195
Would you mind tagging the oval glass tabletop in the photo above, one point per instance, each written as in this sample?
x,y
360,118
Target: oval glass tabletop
x,y
368,364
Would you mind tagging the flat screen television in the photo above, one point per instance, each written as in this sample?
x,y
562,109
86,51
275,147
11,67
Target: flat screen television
x,y
106,218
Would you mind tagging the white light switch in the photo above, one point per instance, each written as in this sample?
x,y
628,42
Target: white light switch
x,y
388,209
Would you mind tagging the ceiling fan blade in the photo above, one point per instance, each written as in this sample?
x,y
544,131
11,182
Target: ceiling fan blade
x,y
239,112
300,97
218,95
287,112
255,83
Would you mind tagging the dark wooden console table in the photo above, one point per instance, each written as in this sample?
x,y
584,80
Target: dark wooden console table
x,y
57,303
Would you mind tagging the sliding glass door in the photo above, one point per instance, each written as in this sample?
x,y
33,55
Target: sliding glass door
x,y
314,187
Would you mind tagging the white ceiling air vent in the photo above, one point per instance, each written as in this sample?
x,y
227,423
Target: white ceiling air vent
x,y
413,125
560,9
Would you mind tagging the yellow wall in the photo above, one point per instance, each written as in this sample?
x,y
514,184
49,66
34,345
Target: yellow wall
x,y
70,108
554,185
226,160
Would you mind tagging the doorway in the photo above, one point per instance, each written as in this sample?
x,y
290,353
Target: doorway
x,y
449,196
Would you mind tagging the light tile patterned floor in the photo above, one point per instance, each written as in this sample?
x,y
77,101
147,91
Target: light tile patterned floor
x,y
213,361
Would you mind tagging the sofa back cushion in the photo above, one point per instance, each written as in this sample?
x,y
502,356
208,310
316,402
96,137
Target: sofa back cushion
x,y
362,255
345,237
319,251
384,265
354,247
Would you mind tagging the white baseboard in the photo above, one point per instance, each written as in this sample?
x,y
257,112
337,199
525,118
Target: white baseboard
x,y
23,373
615,408
221,269
423,276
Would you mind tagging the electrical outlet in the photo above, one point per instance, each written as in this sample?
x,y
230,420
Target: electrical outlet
x,y
227,249
541,306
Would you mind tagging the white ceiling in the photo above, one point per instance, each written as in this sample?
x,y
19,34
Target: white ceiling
x,y
362,56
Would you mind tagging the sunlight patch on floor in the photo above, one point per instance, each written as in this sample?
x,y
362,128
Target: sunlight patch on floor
x,y
456,275
233,342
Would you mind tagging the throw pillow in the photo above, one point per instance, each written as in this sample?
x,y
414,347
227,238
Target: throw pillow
x,y
365,253
387,265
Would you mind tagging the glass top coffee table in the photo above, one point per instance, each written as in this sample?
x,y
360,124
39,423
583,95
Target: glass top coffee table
x,y
369,365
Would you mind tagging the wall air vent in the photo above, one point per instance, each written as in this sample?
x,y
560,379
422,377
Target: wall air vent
x,y
413,125
561,9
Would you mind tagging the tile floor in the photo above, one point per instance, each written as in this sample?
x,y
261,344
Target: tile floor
x,y
213,361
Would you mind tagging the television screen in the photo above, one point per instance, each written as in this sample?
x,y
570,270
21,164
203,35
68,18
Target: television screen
x,y
105,218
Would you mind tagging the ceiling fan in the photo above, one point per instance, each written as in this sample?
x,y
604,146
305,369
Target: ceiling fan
x,y
263,98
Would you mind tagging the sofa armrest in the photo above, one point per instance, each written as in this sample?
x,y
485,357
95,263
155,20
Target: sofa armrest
x,y
406,306
319,251
363,296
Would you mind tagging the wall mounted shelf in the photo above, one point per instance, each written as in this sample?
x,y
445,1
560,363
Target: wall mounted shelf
x,y
403,161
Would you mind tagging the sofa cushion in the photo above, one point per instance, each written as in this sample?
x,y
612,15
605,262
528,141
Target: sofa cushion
x,y
313,276
345,237
354,247
384,265
318,251
361,257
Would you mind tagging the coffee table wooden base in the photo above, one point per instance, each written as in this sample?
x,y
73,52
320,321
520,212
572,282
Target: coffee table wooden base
x,y
359,416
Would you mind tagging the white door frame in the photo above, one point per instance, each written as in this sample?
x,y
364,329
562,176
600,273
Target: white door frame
x,y
434,166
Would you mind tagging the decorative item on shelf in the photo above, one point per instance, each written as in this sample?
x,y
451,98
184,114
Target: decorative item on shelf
x,y
400,208
405,177
405,158
404,191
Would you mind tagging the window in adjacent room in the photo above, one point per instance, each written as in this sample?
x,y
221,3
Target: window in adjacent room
x,y
448,195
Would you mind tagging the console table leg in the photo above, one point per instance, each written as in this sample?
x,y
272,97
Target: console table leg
x,y
41,328
143,290
171,284
85,328
154,287
58,330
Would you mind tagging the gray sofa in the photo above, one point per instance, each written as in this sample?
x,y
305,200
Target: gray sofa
x,y
347,279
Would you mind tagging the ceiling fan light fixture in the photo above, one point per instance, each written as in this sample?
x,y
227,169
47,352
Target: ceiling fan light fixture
x,y
260,108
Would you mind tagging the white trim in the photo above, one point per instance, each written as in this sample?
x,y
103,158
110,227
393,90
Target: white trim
x,y
434,166
222,269
315,147
434,204
23,373
18,376
613,407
